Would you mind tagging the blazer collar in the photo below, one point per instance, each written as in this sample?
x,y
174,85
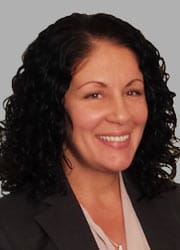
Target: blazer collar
x,y
64,222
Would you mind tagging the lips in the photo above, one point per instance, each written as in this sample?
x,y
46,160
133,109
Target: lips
x,y
110,138
116,141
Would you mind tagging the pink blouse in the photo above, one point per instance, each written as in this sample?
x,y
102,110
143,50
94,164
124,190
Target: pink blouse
x,y
135,237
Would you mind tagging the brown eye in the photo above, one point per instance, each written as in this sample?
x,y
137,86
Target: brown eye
x,y
134,93
94,96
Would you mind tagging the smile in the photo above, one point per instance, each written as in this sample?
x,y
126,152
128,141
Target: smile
x,y
114,138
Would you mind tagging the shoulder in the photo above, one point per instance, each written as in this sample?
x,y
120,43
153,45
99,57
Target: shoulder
x,y
166,204
15,203
16,209
172,194
172,197
17,224
167,200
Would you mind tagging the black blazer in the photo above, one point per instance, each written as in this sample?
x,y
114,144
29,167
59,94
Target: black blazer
x,y
58,223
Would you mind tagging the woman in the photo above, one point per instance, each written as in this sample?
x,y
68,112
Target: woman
x,y
88,143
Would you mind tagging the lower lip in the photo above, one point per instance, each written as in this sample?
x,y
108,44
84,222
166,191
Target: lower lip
x,y
116,145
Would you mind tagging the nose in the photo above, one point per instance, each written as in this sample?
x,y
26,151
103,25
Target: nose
x,y
118,112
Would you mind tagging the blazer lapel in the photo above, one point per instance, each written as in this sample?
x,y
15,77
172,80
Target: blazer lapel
x,y
64,222
157,217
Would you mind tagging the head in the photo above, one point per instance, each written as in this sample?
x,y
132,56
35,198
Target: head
x,y
37,121
107,111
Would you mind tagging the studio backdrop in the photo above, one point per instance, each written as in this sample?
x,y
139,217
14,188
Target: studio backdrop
x,y
21,21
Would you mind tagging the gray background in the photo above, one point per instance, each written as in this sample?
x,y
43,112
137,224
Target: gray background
x,y
21,21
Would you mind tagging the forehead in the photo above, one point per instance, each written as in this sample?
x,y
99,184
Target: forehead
x,y
108,60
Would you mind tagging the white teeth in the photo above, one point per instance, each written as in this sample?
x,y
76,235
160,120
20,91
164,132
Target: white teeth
x,y
114,138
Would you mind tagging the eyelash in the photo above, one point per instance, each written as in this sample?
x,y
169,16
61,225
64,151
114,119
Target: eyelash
x,y
134,92
94,95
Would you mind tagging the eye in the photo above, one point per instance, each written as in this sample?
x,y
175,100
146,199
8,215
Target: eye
x,y
134,92
94,95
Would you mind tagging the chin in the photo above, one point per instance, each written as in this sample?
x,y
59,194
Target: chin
x,y
120,164
116,168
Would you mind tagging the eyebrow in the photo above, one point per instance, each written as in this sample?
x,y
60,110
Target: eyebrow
x,y
134,80
102,84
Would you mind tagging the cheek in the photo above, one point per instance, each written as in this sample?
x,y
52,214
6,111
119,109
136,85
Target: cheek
x,y
140,115
83,118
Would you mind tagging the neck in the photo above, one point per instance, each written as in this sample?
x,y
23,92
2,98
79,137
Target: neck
x,y
93,185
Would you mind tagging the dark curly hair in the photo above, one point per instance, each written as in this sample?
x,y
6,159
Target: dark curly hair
x,y
33,132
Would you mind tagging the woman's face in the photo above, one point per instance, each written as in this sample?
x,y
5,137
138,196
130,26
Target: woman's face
x,y
107,107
